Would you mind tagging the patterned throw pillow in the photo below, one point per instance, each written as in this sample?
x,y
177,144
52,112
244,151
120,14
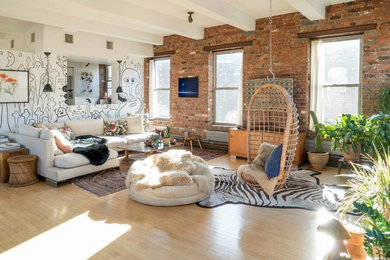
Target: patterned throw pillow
x,y
67,132
115,128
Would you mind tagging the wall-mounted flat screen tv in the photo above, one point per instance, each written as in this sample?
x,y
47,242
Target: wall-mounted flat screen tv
x,y
188,87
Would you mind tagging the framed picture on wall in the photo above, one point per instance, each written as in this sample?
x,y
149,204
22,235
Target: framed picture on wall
x,y
14,86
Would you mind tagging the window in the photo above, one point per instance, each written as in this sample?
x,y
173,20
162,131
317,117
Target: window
x,y
336,77
159,88
109,80
228,86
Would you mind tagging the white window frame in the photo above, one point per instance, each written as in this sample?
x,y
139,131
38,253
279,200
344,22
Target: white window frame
x,y
315,102
152,89
239,89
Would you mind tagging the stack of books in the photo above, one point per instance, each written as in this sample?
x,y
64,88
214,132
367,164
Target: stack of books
x,y
5,144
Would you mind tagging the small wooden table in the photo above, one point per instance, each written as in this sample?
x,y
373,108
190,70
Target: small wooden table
x,y
191,138
22,170
4,155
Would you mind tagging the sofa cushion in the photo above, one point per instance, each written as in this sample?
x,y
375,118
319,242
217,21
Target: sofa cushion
x,y
48,134
29,130
71,160
135,125
54,125
113,141
86,127
135,138
115,128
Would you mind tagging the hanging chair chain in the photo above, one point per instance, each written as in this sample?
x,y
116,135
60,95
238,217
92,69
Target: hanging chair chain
x,y
270,43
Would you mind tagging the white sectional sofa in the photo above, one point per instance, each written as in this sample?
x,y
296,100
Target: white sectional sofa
x,y
61,167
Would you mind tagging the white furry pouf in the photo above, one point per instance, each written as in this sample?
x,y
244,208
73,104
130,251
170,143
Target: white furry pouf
x,y
172,178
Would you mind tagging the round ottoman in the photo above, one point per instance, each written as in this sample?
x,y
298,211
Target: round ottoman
x,y
172,178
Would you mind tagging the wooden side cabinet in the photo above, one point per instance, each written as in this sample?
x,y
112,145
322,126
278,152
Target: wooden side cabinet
x,y
4,155
238,145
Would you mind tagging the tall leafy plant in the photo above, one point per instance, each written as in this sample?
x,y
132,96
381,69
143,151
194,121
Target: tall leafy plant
x,y
320,132
349,130
379,133
369,194
384,100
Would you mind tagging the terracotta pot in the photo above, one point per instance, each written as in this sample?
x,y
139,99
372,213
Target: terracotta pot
x,y
351,156
318,160
166,141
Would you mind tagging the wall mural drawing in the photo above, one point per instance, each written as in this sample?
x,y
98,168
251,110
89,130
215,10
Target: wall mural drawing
x,y
51,107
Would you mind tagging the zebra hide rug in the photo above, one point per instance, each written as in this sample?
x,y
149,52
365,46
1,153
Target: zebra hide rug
x,y
302,190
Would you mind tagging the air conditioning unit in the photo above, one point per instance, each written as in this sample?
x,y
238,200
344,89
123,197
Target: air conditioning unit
x,y
217,136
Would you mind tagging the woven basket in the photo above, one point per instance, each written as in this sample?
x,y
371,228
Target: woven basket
x,y
22,170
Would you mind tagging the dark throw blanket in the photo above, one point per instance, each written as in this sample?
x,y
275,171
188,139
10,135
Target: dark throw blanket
x,y
92,147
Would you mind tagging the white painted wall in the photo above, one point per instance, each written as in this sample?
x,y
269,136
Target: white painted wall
x,y
51,107
92,46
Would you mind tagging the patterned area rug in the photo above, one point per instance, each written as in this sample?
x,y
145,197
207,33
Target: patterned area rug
x,y
207,154
302,190
102,183
113,180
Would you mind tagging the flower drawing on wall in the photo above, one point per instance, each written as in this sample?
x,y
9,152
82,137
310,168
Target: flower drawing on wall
x,y
8,84
13,86
88,78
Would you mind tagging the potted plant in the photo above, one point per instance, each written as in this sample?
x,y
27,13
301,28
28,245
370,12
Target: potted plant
x,y
349,134
167,135
318,159
384,99
379,133
369,194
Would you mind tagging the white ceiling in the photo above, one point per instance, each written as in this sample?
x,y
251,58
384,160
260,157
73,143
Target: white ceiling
x,y
148,21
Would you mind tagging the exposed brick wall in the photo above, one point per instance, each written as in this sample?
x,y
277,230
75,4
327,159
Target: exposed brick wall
x,y
291,59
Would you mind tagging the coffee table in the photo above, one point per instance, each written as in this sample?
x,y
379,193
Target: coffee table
x,y
147,150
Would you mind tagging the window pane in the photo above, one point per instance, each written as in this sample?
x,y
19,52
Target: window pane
x,y
162,73
161,104
228,70
226,106
109,72
342,62
338,101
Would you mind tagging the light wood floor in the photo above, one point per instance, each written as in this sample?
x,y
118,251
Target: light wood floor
x,y
41,222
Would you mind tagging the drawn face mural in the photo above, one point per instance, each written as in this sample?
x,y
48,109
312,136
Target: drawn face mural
x,y
51,107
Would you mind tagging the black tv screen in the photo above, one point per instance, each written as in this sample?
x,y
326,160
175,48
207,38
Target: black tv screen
x,y
188,87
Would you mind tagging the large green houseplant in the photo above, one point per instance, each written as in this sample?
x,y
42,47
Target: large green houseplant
x,y
369,194
350,135
318,159
379,133
384,100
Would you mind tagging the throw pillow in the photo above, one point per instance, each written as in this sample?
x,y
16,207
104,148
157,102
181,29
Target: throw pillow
x,y
29,131
272,166
37,125
135,125
62,143
115,128
265,150
67,132
148,125
48,134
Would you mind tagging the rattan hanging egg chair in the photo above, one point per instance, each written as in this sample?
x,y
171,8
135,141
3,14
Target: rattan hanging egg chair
x,y
272,118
